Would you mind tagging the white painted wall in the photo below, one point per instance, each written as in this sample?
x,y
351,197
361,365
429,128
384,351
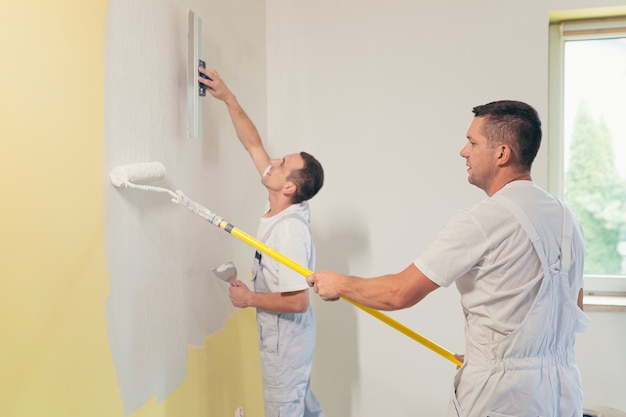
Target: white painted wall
x,y
163,296
382,94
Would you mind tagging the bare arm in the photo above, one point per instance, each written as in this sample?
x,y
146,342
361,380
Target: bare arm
x,y
245,129
285,302
387,292
580,299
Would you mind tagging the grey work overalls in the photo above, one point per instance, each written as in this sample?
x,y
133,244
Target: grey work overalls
x,y
286,345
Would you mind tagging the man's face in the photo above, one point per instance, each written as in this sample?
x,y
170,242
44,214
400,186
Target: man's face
x,y
275,176
480,159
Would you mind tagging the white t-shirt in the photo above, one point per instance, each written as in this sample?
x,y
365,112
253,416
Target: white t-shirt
x,y
485,250
291,236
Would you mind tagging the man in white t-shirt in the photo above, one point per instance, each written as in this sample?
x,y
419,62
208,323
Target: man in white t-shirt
x,y
517,260
285,319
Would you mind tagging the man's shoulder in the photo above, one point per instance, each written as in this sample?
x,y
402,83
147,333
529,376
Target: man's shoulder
x,y
524,190
484,216
292,221
297,212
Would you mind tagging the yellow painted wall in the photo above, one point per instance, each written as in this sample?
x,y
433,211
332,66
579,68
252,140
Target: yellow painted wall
x,y
55,358
222,376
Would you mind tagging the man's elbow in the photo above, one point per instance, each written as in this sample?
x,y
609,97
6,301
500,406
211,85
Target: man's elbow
x,y
301,306
299,301
393,301
402,300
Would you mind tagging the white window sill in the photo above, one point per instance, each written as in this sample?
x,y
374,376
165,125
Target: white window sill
x,y
595,302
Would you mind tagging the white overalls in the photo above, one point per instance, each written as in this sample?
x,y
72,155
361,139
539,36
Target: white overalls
x,y
286,345
531,371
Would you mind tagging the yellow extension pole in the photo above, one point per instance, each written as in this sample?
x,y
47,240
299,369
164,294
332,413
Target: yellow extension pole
x,y
306,272
120,177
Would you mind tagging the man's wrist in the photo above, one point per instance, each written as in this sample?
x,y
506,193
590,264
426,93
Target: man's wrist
x,y
231,100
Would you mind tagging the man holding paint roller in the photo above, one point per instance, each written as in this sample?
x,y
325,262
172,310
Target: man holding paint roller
x,y
517,260
281,297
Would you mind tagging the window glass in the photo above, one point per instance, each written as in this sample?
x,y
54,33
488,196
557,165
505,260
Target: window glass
x,y
592,152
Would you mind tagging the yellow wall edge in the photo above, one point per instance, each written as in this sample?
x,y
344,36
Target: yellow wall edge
x,y
591,13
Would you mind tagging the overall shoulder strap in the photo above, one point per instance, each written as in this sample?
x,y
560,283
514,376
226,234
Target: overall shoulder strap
x,y
528,226
519,214
566,238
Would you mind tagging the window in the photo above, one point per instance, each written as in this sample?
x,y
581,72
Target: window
x,y
587,140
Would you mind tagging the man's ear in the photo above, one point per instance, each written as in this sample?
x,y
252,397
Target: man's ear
x,y
504,154
289,188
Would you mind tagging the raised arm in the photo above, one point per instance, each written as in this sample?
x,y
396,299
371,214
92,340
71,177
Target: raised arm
x,y
245,129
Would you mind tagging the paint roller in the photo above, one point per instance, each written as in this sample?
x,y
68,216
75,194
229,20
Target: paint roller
x,y
127,176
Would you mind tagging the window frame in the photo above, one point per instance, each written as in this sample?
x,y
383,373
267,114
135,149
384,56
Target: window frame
x,y
564,28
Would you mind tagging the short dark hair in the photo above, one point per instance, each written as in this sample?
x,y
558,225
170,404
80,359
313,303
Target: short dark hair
x,y
514,123
309,179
